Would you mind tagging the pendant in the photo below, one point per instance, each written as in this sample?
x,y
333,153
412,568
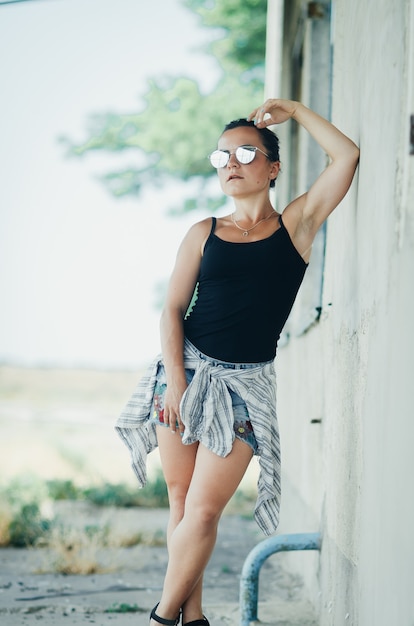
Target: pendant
x,y
245,233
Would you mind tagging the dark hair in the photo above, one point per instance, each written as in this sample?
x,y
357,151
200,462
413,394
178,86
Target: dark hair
x,y
269,139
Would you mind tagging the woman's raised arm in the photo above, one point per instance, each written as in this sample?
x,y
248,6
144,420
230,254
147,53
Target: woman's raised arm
x,y
312,208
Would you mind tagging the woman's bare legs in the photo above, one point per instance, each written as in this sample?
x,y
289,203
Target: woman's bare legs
x,y
210,485
178,463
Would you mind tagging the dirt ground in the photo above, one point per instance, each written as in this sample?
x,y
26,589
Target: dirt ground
x,y
59,424
32,593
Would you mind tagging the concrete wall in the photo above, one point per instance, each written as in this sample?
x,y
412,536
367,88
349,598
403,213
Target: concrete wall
x,y
352,474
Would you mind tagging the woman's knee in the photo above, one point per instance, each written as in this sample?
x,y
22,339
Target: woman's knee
x,y
203,513
177,493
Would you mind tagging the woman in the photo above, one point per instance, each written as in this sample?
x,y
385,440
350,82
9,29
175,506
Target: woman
x,y
215,383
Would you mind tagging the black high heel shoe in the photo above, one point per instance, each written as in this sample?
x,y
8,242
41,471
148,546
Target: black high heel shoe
x,y
162,620
198,622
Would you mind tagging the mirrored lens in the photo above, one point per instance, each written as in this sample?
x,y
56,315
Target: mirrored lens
x,y
245,154
219,158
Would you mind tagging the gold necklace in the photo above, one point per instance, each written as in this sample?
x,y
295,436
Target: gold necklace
x,y
246,231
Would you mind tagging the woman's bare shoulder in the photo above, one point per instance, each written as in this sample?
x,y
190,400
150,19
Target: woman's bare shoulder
x,y
202,226
199,231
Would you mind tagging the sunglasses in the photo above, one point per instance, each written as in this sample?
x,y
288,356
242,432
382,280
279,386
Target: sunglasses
x,y
244,155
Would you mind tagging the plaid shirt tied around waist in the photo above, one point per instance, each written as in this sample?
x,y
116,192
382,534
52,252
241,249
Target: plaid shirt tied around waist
x,y
206,411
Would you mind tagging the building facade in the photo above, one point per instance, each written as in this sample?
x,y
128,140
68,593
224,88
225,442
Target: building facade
x,y
346,363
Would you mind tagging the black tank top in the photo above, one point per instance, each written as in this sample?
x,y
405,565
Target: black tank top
x,y
245,294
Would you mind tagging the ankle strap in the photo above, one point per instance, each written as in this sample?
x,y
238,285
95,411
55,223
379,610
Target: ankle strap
x,y
162,620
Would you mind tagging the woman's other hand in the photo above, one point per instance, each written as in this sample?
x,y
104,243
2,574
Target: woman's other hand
x,y
173,394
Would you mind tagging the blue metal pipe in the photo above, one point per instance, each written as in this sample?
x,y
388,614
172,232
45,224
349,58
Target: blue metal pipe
x,y
249,582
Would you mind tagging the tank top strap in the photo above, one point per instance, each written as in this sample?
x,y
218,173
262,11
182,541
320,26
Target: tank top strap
x,y
213,225
307,249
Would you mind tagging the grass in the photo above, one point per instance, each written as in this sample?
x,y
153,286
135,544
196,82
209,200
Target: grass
x,y
109,494
154,494
124,607
79,551
25,504
27,518
75,551
28,526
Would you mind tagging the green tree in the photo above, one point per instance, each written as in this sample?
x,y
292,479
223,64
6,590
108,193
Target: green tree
x,y
243,26
179,124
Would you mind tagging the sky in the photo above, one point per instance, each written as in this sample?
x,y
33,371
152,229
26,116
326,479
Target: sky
x,y
79,269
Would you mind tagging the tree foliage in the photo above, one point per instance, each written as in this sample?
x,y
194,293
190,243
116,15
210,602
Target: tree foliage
x,y
244,30
178,124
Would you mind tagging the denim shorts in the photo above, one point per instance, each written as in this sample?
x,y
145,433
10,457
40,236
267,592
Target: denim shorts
x,y
242,425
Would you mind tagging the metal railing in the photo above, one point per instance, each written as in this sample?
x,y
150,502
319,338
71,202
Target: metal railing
x,y
249,582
